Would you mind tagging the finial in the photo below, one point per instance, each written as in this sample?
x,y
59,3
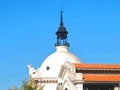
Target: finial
x,y
61,18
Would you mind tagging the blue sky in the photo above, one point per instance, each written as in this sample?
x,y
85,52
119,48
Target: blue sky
x,y
27,33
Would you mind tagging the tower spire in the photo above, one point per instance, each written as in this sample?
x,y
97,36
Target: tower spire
x,y
61,18
61,33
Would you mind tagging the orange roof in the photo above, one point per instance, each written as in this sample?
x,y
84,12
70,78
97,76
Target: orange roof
x,y
97,66
101,78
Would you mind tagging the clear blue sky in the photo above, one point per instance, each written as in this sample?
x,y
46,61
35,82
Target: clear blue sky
x,y
27,33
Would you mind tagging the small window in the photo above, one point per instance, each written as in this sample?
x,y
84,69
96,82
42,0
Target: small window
x,y
33,72
47,68
66,89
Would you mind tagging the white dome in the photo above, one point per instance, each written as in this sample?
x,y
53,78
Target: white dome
x,y
52,64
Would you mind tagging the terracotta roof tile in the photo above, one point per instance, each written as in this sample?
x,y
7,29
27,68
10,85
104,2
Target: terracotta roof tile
x,y
101,78
97,66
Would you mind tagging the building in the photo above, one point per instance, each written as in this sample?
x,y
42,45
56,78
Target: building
x,y
62,70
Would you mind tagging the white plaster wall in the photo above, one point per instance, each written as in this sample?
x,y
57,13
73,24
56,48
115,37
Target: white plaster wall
x,y
69,76
79,87
116,88
50,86
56,60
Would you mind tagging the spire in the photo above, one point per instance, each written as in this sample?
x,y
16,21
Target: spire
x,y
61,19
61,33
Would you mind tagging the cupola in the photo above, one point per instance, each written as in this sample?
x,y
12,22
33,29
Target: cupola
x,y
61,33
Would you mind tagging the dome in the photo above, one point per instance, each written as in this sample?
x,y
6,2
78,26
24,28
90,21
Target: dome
x,y
52,64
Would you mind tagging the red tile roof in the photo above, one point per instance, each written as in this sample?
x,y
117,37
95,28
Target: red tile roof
x,y
97,66
101,78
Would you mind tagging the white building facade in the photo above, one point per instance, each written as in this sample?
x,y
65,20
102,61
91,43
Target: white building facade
x,y
62,70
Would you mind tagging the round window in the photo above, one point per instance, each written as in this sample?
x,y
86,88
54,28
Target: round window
x,y
47,68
